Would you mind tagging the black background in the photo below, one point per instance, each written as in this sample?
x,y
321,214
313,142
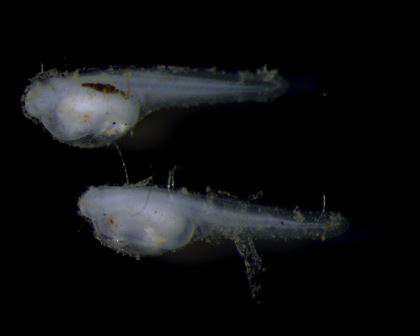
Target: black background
x,y
324,137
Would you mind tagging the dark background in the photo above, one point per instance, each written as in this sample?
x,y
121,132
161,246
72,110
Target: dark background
x,y
324,137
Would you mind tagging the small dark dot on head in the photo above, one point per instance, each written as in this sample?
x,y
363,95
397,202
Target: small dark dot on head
x,y
114,123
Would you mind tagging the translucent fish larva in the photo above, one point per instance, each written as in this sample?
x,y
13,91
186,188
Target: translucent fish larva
x,y
95,108
144,220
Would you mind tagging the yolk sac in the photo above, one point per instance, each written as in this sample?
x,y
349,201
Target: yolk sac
x,y
95,108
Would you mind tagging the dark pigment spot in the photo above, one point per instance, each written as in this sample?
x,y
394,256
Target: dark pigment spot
x,y
104,88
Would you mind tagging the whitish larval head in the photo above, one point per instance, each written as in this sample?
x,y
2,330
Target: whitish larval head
x,y
78,113
138,220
